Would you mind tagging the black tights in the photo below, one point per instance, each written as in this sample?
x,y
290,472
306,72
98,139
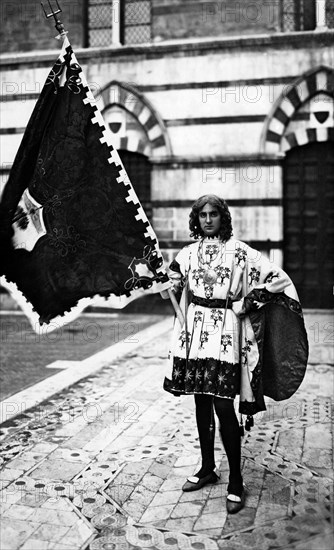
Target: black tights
x,y
229,430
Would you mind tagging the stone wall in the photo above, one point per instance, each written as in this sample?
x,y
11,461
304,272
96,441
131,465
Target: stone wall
x,y
212,104
191,18
24,27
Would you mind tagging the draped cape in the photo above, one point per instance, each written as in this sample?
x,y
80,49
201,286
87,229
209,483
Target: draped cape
x,y
283,350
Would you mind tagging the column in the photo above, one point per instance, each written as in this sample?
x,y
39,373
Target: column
x,y
116,23
320,15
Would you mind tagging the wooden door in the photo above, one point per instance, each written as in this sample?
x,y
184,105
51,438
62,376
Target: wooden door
x,y
309,222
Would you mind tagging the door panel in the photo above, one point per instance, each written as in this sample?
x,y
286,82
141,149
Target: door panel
x,y
309,222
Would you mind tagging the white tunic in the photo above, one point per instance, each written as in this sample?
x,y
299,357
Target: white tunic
x,y
219,345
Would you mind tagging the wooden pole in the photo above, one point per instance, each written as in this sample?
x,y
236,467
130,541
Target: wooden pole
x,y
178,312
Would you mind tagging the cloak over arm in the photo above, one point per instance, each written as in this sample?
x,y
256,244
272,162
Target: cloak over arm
x,y
274,347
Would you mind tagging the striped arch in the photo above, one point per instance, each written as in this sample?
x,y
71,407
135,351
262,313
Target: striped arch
x,y
274,138
156,142
302,137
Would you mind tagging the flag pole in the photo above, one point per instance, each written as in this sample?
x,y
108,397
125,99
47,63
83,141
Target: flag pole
x,y
165,294
58,24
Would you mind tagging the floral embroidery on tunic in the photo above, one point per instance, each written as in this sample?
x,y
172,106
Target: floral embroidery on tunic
x,y
226,340
245,349
183,337
211,250
198,275
223,273
254,275
240,255
208,291
216,315
271,276
198,317
204,338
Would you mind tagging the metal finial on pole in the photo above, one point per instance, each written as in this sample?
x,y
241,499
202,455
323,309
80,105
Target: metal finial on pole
x,y
58,24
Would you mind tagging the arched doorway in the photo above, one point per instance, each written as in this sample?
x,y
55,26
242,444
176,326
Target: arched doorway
x,y
308,176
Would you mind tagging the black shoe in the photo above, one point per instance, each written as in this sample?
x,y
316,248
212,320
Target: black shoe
x,y
234,503
195,483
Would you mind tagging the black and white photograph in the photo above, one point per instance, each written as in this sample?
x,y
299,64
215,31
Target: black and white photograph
x,y
166,274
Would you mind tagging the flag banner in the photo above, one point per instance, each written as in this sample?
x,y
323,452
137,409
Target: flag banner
x,y
72,227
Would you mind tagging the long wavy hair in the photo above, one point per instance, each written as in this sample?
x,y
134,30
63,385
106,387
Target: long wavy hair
x,y
225,231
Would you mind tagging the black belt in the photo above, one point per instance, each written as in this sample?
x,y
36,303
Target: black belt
x,y
208,302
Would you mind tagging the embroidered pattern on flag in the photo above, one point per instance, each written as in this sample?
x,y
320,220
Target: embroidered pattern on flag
x,y
79,228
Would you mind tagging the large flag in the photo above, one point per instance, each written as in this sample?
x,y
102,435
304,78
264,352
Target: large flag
x,y
72,227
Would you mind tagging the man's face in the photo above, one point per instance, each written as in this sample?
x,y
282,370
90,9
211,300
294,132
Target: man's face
x,y
209,220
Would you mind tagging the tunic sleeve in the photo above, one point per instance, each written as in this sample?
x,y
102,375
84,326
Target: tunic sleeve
x,y
261,278
180,264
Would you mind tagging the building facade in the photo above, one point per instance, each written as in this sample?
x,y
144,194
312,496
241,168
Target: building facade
x,y
232,98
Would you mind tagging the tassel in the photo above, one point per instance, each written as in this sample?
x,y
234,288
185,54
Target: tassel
x,y
241,427
249,422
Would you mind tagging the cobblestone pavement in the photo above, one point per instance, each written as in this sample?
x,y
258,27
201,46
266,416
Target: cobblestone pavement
x,y
100,465
25,353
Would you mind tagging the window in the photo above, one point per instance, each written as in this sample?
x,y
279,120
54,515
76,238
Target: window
x,y
136,16
298,15
99,18
132,17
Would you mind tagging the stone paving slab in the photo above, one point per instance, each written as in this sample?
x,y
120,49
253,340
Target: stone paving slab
x,y
320,329
101,464
38,355
27,398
